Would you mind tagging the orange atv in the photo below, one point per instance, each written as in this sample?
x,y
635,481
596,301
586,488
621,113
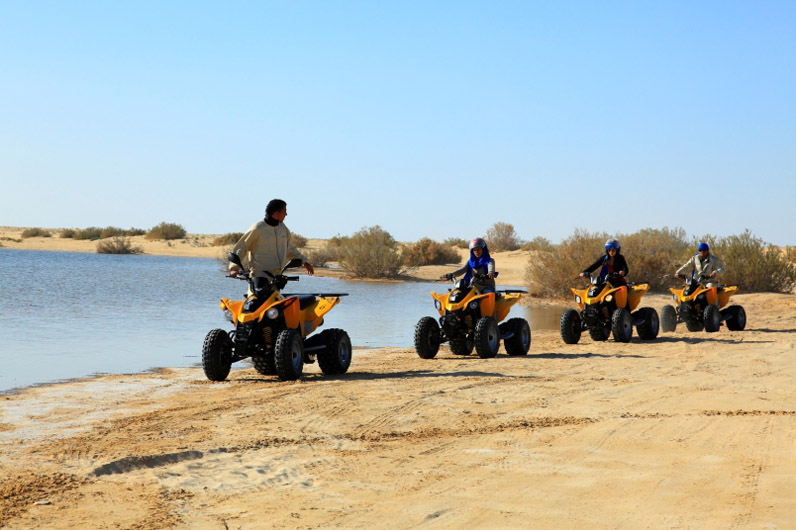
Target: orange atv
x,y
273,329
697,307
607,306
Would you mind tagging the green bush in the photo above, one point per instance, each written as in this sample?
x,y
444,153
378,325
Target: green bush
x,y
456,242
35,232
297,240
67,233
501,236
429,252
166,231
751,264
538,243
117,245
371,253
227,239
92,233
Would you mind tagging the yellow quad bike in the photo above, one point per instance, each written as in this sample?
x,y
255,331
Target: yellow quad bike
x,y
606,308
273,329
469,318
696,306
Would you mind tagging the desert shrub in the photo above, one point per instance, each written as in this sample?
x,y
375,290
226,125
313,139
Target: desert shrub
x,y
654,254
166,231
337,241
135,232
501,236
538,243
35,232
90,233
117,245
428,252
752,264
320,257
111,231
371,253
67,233
456,242
227,239
790,254
297,240
553,273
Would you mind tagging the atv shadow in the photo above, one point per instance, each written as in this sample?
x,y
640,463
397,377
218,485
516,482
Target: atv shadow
x,y
411,374
697,340
587,355
769,330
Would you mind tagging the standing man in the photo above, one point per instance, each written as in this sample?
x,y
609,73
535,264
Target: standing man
x,y
266,246
703,263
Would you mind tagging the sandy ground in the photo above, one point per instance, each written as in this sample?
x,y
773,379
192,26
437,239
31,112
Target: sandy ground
x,y
511,265
692,430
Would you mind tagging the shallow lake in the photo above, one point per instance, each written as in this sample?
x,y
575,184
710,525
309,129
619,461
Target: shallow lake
x,y
68,314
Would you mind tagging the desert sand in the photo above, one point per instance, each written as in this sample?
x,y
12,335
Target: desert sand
x,y
691,430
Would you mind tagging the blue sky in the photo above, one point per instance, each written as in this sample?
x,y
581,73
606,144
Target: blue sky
x,y
428,118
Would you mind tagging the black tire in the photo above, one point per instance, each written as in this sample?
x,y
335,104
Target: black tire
x,y
461,346
694,325
737,320
520,342
570,326
599,334
622,325
712,318
486,337
264,365
427,338
648,330
668,318
336,357
289,355
217,355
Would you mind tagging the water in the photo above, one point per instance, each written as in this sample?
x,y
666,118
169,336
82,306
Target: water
x,y
68,314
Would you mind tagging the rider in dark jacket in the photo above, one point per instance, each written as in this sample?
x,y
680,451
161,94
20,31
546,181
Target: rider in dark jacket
x,y
611,262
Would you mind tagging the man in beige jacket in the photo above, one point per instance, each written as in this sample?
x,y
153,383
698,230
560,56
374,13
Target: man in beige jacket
x,y
703,264
266,246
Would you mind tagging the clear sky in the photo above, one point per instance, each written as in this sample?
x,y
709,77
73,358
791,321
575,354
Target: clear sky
x,y
428,118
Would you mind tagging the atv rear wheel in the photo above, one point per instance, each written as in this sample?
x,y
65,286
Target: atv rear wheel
x,y
461,346
648,329
289,355
264,365
217,355
336,357
712,318
737,319
668,318
427,338
599,333
487,337
570,327
520,342
622,325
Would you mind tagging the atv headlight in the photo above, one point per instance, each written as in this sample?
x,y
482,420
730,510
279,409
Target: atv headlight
x,y
578,299
674,297
228,315
609,298
272,313
437,304
473,304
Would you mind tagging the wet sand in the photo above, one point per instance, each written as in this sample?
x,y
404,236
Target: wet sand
x,y
692,430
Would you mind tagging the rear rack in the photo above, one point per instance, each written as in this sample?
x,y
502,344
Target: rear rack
x,y
286,295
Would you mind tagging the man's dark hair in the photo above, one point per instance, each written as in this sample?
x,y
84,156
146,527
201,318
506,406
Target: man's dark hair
x,y
274,206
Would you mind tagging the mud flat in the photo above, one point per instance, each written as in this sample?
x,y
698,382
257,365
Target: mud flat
x,y
692,430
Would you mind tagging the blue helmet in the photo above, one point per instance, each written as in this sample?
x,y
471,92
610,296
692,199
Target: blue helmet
x,y
612,243
703,246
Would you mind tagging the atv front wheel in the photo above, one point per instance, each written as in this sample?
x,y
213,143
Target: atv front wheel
x,y
668,318
289,355
648,329
217,355
712,318
622,325
427,338
520,342
336,357
264,365
570,327
599,333
737,319
487,337
461,346
694,325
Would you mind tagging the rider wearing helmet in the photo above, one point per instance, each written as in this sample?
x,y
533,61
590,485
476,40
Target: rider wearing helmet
x,y
703,263
479,263
611,262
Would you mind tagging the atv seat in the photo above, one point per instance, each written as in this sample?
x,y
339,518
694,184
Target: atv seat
x,y
306,300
